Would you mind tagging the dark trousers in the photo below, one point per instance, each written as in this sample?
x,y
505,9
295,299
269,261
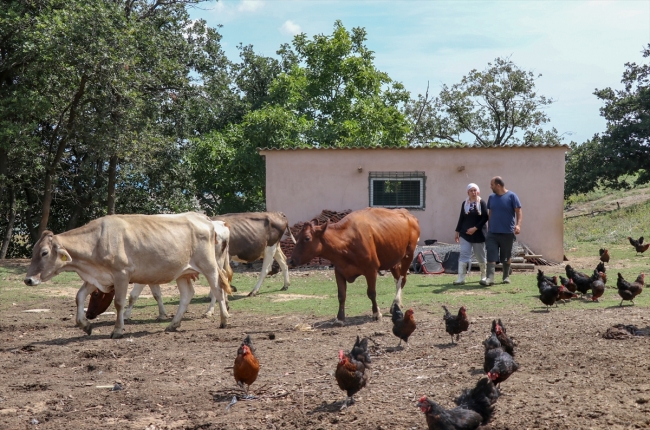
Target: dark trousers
x,y
499,247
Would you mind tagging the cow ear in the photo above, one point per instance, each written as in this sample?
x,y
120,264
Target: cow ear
x,y
323,227
63,255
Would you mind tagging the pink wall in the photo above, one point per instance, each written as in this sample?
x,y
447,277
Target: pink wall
x,y
303,182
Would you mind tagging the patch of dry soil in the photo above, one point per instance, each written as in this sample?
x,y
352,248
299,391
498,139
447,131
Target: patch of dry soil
x,y
570,377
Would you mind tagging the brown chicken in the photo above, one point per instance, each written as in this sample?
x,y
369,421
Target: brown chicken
x,y
353,370
455,325
639,245
604,255
629,290
403,324
246,365
568,284
597,286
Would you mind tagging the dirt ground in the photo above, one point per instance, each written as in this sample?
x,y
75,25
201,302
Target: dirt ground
x,y
53,376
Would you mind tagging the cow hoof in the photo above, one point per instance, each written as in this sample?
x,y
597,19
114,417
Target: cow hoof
x,y
88,329
285,288
233,288
338,323
252,294
207,315
171,328
116,335
162,318
377,316
223,325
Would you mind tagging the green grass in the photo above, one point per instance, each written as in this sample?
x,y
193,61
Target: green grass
x,y
609,228
603,193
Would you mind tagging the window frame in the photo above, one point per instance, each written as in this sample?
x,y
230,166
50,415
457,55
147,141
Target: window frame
x,y
395,177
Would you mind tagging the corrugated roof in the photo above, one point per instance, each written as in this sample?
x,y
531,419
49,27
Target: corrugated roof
x,y
437,146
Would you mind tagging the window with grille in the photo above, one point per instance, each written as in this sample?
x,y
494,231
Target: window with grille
x,y
397,189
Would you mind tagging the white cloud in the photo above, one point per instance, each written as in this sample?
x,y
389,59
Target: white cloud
x,y
290,27
250,5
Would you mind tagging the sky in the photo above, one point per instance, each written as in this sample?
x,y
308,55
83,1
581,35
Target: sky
x,y
577,46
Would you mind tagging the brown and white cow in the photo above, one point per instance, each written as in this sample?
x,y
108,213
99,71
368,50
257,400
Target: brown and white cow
x,y
255,235
99,301
112,251
362,243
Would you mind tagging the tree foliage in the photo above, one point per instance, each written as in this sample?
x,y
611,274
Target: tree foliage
x,y
323,92
623,149
494,107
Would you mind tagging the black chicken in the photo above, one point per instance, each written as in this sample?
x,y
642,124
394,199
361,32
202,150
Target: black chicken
x,y
475,408
601,268
638,244
582,281
506,343
629,290
548,292
455,325
498,364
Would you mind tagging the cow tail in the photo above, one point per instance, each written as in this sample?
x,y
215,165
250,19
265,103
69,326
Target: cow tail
x,y
293,239
223,282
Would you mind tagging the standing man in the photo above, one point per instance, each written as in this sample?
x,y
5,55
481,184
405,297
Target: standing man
x,y
504,210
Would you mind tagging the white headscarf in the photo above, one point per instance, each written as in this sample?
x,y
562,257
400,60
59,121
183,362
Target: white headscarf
x,y
478,198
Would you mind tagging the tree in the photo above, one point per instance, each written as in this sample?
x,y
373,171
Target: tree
x,y
623,150
495,107
323,92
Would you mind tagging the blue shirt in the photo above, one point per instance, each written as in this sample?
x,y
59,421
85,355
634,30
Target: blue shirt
x,y
502,216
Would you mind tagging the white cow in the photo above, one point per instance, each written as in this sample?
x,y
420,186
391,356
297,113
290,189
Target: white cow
x,y
112,251
99,302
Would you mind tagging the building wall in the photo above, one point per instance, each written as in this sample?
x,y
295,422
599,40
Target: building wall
x,y
303,182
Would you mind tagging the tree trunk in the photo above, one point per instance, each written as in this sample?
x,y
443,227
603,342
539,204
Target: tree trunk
x,y
112,172
51,168
10,225
4,170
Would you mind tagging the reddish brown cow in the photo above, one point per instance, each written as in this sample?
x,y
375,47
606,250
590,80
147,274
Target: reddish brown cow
x,y
362,243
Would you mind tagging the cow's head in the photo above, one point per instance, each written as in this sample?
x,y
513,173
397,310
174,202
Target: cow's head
x,y
308,244
98,303
48,258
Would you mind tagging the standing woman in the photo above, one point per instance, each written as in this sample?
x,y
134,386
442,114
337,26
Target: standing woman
x,y
470,233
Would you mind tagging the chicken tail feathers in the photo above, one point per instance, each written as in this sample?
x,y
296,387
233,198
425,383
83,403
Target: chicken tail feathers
x,y
447,313
397,313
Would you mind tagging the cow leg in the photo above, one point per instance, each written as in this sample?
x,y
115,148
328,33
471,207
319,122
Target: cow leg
x,y
81,320
282,261
341,283
213,301
399,284
133,296
219,296
121,287
269,252
371,279
186,290
157,294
